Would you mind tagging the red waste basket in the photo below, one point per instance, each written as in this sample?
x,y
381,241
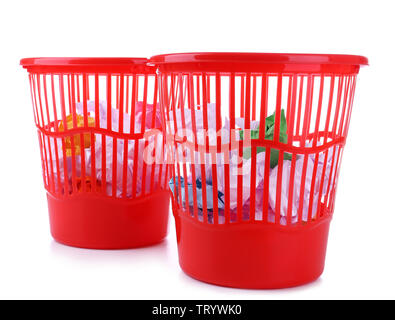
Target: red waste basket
x,y
257,141
96,117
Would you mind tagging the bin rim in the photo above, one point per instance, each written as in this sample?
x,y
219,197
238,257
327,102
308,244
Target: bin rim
x,y
83,61
91,64
258,58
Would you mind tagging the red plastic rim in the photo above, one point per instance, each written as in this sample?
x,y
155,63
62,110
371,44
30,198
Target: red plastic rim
x,y
103,64
26,62
266,58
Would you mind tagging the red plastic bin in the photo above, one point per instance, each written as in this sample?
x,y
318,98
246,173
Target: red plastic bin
x,y
95,118
257,140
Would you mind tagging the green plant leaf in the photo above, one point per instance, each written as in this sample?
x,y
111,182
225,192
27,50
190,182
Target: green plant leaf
x,y
269,135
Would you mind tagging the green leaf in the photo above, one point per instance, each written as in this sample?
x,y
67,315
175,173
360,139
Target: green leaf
x,y
269,135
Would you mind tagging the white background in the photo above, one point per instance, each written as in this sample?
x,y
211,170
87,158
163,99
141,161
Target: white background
x,y
360,258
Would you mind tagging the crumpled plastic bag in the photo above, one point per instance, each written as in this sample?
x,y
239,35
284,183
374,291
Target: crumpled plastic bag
x,y
199,193
234,170
199,158
109,148
286,172
139,108
198,111
246,170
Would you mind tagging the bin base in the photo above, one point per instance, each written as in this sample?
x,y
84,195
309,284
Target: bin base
x,y
255,256
96,222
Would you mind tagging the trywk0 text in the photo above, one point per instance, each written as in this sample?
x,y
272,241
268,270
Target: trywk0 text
x,y
199,309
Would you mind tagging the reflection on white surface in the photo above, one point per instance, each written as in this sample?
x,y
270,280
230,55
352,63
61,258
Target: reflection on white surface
x,y
158,252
